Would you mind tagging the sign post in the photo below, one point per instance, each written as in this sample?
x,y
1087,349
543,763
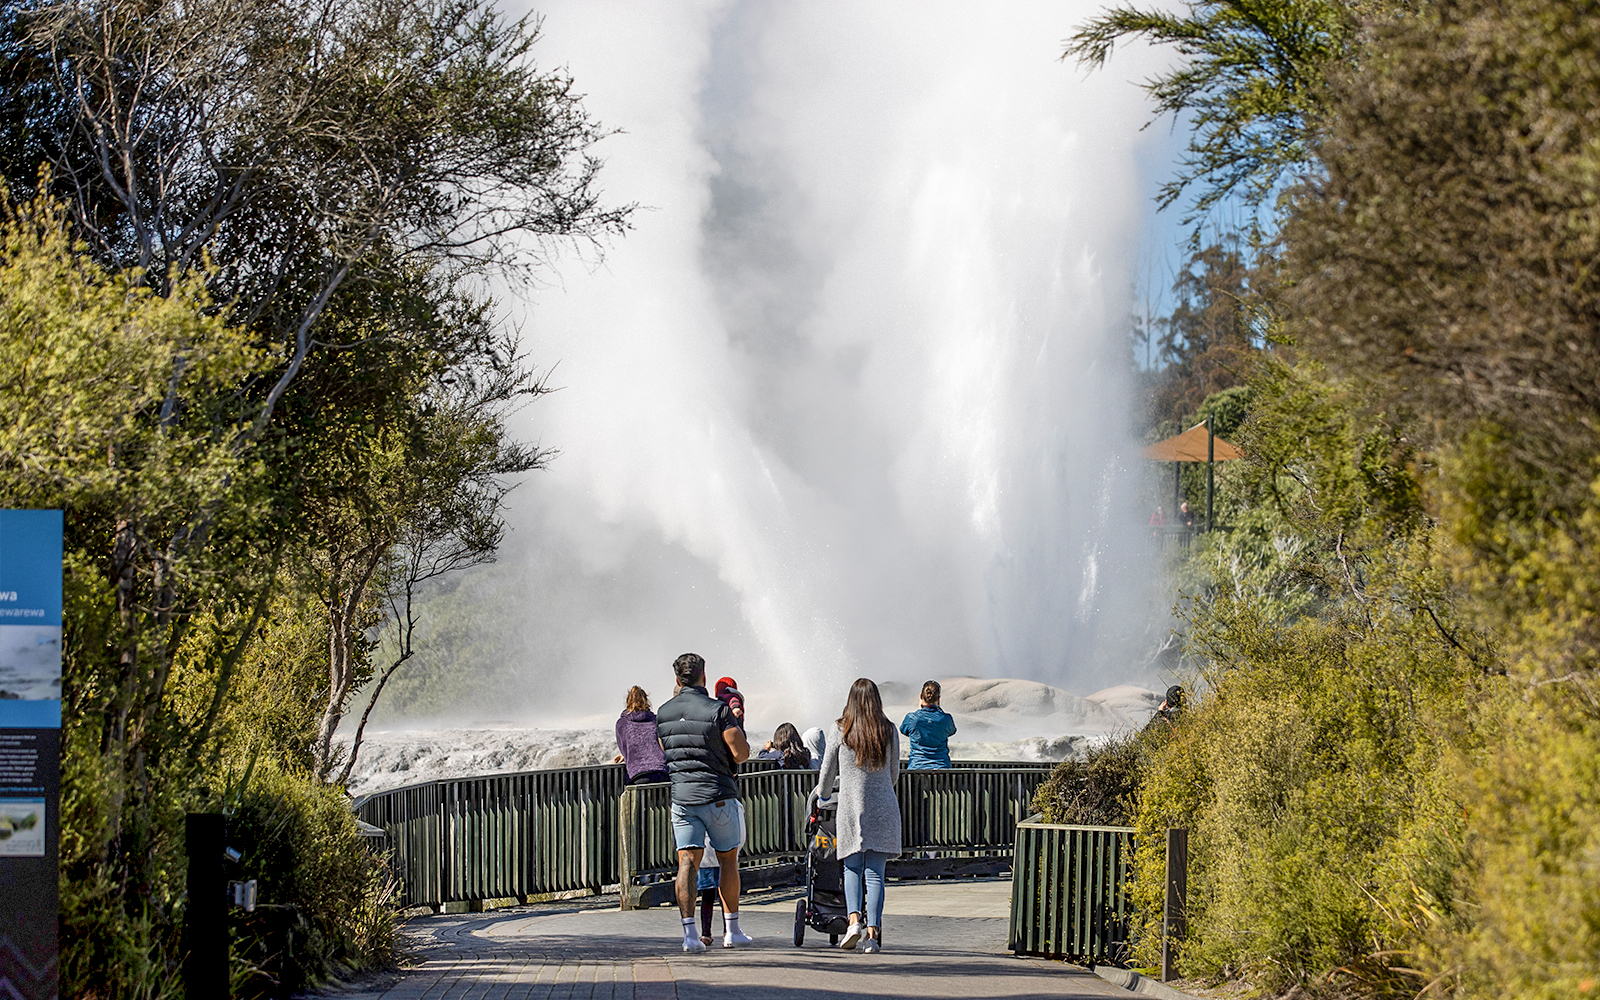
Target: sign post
x,y
30,751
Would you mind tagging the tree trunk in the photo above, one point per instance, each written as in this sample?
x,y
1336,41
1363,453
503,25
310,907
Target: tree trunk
x,y
344,605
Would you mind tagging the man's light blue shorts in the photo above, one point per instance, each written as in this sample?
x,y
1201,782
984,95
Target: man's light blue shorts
x,y
691,824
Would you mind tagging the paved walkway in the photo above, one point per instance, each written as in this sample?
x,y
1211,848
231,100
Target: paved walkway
x,y
941,939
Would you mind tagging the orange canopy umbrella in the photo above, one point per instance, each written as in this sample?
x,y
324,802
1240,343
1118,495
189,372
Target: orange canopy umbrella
x,y
1190,446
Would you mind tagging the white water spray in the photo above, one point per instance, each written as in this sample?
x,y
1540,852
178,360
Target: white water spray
x,y
853,396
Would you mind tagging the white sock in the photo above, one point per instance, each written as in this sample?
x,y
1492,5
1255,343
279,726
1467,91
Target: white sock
x,y
730,923
691,928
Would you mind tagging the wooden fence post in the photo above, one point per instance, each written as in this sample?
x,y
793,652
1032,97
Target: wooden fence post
x,y
1173,924
627,827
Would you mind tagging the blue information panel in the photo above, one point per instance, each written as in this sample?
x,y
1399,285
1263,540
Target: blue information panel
x,y
30,750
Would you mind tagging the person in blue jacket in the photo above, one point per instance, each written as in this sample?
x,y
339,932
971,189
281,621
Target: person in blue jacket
x,y
930,728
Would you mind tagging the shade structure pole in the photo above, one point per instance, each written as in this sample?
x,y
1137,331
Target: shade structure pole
x,y
1177,474
1211,464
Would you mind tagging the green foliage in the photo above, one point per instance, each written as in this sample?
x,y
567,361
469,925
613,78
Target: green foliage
x,y
150,430
1342,696
1227,409
1390,777
113,946
1315,778
1251,85
124,408
1447,253
1258,559
1447,260
1533,928
242,360
315,876
1101,789
1209,341
465,660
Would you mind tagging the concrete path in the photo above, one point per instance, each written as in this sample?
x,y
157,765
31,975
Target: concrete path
x,y
941,939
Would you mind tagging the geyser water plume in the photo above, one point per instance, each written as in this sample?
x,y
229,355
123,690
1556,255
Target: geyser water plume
x,y
853,396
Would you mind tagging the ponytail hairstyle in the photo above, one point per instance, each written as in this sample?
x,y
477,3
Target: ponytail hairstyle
x,y
865,729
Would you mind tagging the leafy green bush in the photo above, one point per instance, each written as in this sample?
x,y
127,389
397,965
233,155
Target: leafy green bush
x,y
1315,780
1341,697
323,896
1101,789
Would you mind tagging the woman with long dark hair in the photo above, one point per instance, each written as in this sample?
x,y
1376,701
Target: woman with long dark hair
x,y
863,752
785,745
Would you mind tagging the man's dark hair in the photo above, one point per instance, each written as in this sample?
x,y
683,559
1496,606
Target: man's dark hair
x,y
690,668
930,692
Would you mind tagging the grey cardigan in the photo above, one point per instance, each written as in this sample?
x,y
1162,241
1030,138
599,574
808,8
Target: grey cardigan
x,y
869,813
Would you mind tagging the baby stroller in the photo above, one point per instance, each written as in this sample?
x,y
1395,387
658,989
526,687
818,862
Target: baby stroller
x,y
823,907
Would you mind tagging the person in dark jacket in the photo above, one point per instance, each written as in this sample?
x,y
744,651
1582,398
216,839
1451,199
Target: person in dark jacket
x,y
1170,707
704,747
930,728
641,755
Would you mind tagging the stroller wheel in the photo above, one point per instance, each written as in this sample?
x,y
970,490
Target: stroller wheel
x,y
833,939
800,923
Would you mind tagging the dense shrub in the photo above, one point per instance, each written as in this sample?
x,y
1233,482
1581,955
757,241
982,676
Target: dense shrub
x,y
1315,778
324,897
1342,697
1102,788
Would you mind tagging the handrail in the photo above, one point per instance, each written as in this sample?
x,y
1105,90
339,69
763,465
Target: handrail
x,y
515,835
1069,891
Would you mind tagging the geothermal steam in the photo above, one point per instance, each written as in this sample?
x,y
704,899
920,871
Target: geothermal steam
x,y
852,397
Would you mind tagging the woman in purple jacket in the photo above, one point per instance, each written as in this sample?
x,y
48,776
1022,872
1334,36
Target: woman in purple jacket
x,y
636,738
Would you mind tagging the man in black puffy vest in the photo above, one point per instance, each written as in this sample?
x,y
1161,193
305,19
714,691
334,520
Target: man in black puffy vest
x,y
704,747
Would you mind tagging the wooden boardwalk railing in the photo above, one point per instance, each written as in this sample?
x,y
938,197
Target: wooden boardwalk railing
x,y
516,835
1069,895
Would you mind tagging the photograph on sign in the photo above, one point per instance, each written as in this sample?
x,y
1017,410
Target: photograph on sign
x,y
22,828
30,662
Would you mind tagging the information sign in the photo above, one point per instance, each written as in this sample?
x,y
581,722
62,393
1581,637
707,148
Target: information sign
x,y
30,750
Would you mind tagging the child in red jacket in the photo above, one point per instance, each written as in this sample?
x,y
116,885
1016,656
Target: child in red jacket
x,y
728,693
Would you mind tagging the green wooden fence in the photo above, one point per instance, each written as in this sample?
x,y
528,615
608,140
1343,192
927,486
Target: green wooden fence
x,y
518,835
1069,894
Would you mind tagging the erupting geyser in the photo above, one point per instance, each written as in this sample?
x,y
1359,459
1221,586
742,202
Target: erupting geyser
x,y
853,397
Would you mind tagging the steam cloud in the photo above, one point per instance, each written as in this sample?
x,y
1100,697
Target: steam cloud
x,y
852,398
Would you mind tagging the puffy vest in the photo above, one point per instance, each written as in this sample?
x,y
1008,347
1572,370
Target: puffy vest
x,y
700,763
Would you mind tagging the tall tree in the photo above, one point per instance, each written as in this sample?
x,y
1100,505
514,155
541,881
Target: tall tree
x,y
1209,337
317,178
295,157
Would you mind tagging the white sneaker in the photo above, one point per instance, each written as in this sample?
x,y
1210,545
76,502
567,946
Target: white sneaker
x,y
694,944
733,938
851,936
871,947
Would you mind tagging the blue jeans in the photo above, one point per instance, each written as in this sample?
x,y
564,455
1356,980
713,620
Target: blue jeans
x,y
863,870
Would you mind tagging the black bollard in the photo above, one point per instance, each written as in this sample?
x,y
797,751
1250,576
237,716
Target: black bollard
x,y
205,915
1173,923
